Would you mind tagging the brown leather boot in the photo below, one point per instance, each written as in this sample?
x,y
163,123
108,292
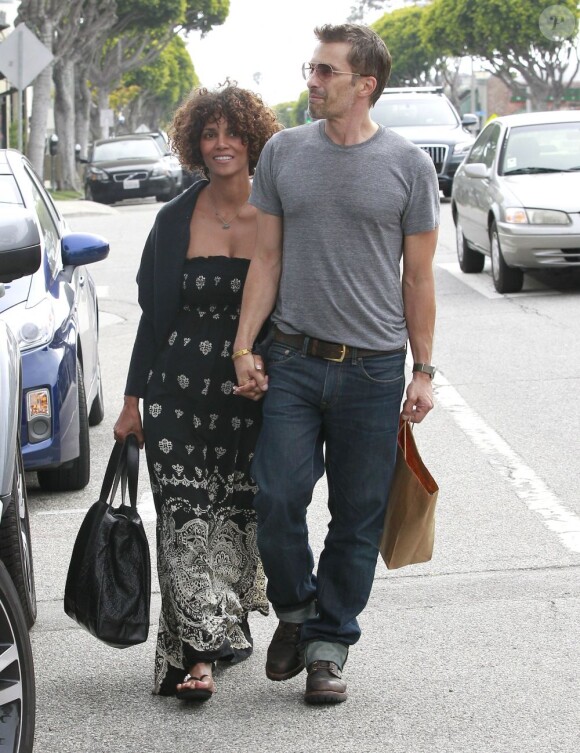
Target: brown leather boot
x,y
283,659
324,683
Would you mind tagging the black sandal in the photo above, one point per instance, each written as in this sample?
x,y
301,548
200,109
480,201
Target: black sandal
x,y
196,694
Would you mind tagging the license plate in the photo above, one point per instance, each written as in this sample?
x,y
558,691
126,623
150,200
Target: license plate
x,y
128,183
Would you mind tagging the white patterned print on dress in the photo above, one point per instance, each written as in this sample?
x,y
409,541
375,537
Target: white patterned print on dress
x,y
178,412
216,280
172,337
213,418
236,423
183,381
199,282
205,346
207,383
155,409
235,284
226,351
165,446
186,341
227,387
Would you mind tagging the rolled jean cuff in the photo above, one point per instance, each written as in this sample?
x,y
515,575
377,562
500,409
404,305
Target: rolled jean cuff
x,y
325,651
299,614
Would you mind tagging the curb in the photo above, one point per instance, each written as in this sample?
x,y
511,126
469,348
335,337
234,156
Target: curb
x,y
82,207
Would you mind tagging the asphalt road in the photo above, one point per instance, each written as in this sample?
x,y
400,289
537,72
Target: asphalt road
x,y
474,652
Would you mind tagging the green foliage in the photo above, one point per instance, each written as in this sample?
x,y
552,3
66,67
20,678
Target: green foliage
x,y
286,113
163,84
413,60
490,29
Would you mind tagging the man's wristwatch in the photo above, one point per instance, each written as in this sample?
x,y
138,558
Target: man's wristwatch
x,y
425,368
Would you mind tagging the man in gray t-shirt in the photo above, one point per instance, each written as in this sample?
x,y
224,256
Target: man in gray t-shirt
x,y
341,202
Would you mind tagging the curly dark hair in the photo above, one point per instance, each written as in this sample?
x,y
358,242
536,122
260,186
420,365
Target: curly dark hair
x,y
244,111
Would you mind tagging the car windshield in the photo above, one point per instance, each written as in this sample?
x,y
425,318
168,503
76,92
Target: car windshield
x,y
549,147
394,112
129,149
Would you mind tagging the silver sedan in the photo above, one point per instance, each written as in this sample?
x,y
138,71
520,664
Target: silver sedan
x,y
516,197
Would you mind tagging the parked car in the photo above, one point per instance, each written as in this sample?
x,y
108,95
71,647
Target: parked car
x,y
128,167
425,116
173,162
54,316
516,198
20,254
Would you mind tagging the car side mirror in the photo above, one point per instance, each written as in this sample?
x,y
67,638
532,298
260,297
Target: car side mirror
x,y
469,120
477,170
20,250
79,249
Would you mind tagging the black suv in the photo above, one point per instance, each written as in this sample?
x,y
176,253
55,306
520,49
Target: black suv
x,y
425,116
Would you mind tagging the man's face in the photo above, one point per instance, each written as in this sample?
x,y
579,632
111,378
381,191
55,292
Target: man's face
x,y
331,96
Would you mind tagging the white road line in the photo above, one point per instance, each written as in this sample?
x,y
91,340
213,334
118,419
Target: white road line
x,y
483,284
528,486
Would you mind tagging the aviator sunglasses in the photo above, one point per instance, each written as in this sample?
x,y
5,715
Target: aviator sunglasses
x,y
324,71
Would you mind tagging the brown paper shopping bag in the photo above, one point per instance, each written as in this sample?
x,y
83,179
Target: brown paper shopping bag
x,y
410,518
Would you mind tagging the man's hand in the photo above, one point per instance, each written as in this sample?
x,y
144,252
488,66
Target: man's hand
x,y
252,379
419,398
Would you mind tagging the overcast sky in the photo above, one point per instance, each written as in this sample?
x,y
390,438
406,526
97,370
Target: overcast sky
x,y
266,40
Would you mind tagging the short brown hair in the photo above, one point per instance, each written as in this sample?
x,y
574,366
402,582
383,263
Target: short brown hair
x,y
244,111
368,53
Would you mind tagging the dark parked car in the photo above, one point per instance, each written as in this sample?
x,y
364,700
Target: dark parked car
x,y
54,316
516,198
425,116
128,167
19,255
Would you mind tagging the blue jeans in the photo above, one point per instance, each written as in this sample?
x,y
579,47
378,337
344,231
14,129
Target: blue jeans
x,y
343,418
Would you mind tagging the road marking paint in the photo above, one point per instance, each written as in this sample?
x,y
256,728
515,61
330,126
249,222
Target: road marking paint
x,y
528,486
483,284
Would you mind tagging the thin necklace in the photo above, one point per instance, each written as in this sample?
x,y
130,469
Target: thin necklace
x,y
226,223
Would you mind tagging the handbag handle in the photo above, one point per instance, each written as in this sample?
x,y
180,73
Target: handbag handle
x,y
123,468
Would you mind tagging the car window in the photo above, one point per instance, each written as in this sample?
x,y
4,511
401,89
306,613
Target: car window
x,y
395,112
49,232
9,193
485,146
129,149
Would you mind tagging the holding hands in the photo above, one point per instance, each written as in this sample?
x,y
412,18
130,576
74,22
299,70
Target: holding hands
x,y
252,380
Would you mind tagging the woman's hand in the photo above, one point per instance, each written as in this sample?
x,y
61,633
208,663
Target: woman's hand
x,y
252,381
129,421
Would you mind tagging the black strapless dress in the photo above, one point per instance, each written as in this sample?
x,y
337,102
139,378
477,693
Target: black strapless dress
x,y
200,440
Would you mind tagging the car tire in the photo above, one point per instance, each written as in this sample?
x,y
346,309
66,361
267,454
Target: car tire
x,y
75,475
505,279
15,544
17,683
97,412
470,261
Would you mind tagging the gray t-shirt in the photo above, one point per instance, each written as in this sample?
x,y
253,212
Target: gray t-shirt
x,y
346,210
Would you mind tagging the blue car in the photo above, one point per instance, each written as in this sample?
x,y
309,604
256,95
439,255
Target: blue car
x,y
54,316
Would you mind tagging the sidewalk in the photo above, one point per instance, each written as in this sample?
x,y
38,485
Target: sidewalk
x,y
81,207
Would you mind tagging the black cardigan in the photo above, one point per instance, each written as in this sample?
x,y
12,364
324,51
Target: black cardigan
x,y
159,279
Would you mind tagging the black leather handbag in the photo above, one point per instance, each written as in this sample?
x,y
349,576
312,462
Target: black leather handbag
x,y
108,586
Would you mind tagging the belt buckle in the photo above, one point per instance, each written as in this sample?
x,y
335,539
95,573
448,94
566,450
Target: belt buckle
x,y
340,359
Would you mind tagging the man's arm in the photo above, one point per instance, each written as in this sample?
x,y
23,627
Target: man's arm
x,y
260,292
419,302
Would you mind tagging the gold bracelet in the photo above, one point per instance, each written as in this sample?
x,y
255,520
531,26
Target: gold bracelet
x,y
242,352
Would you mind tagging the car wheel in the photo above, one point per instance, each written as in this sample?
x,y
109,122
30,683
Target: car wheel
x,y
97,412
505,279
469,260
76,475
15,543
17,684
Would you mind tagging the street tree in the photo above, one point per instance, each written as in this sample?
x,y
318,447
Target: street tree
x,y
512,38
142,31
59,26
151,94
414,63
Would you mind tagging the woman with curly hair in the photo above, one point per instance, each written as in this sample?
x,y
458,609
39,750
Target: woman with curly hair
x,y
199,438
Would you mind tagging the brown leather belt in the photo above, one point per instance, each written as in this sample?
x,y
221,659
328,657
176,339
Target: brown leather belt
x,y
328,351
